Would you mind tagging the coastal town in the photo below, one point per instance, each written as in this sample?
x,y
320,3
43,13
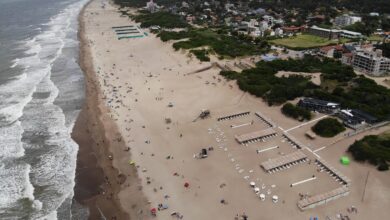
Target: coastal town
x,y
290,30
237,110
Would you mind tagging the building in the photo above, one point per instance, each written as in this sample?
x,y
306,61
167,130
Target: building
x,y
323,32
269,19
346,58
356,118
350,34
334,51
151,6
333,33
371,62
345,20
374,14
319,105
279,32
292,29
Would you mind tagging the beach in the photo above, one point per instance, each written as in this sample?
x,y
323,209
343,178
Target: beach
x,y
139,135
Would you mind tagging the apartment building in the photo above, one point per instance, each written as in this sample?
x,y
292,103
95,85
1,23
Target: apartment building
x,y
345,20
371,62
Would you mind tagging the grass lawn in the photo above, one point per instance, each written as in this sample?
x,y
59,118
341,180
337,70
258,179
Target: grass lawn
x,y
375,38
304,41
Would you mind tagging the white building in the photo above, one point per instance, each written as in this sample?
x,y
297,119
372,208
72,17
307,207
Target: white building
x,y
334,33
345,20
371,62
350,34
269,19
253,23
263,25
151,6
374,14
279,32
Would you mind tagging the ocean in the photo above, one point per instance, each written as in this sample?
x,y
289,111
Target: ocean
x,y
41,94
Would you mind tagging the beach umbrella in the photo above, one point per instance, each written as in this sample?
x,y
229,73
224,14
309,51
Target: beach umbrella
x,y
257,189
153,211
275,198
345,160
252,184
262,197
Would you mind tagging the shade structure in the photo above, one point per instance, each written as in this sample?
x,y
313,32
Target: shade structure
x,y
252,184
262,197
345,160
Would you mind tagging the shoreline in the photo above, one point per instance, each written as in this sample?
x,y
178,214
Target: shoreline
x,y
98,182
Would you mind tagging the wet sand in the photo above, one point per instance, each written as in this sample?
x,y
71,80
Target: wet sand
x,y
97,181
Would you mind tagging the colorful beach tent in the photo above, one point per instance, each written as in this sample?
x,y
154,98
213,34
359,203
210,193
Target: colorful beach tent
x,y
345,160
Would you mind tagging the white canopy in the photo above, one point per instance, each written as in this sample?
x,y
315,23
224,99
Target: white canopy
x,y
262,196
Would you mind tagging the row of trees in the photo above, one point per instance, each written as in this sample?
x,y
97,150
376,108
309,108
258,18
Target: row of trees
x,y
374,149
348,89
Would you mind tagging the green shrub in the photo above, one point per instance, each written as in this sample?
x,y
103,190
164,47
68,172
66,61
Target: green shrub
x,y
202,55
328,127
172,35
374,149
296,112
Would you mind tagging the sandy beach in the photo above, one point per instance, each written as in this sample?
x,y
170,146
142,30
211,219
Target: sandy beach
x,y
139,135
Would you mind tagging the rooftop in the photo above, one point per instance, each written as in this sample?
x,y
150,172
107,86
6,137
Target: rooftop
x,y
304,203
318,102
254,135
283,160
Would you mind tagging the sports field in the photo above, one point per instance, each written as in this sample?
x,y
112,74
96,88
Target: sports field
x,y
303,41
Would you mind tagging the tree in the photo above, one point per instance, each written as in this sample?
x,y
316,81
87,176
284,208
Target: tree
x,y
328,127
374,149
296,112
